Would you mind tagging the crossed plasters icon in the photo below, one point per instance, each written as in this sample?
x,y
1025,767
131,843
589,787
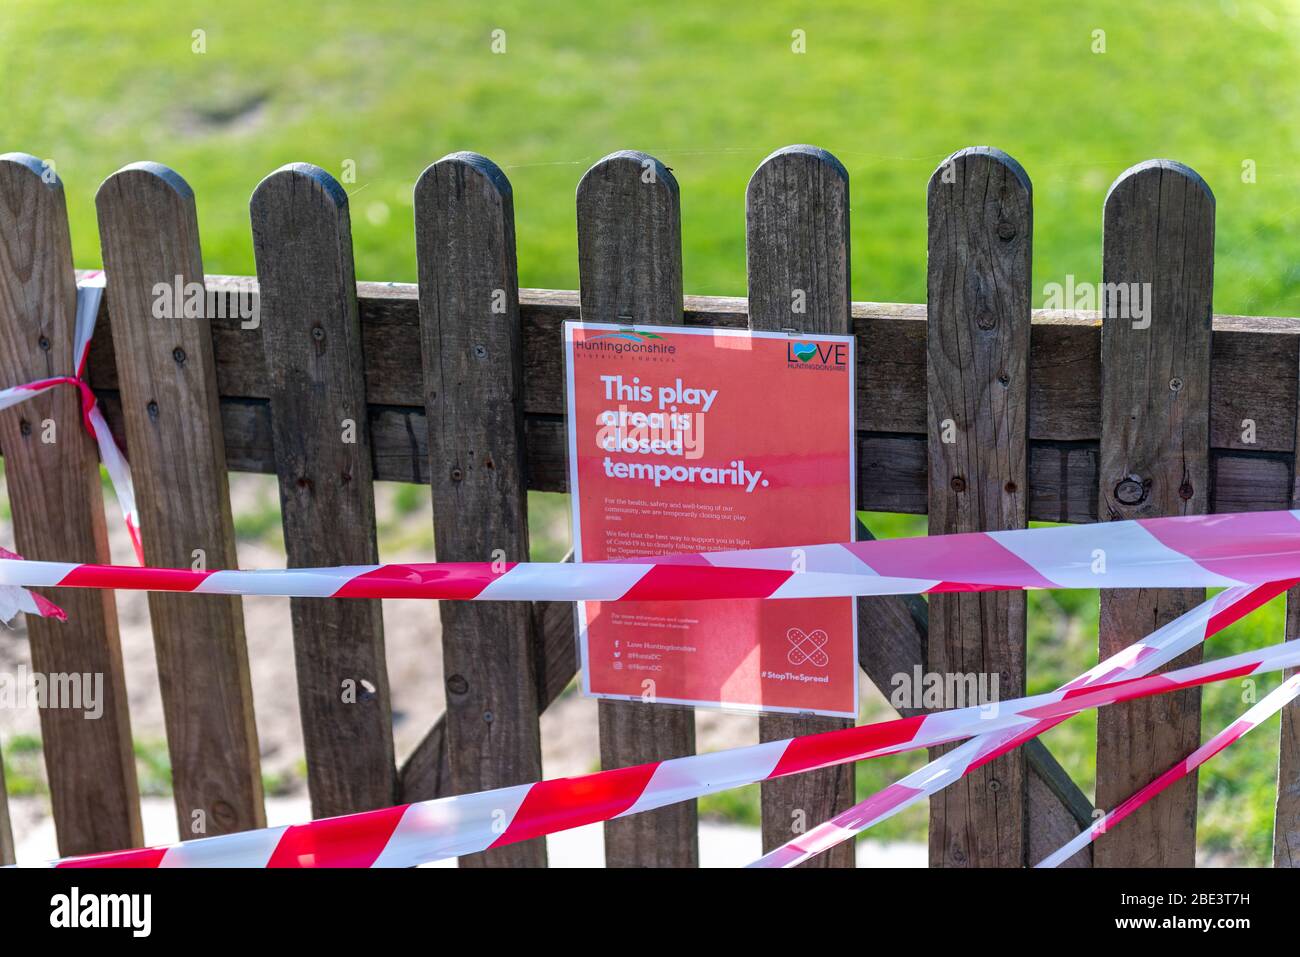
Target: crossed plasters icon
x,y
807,647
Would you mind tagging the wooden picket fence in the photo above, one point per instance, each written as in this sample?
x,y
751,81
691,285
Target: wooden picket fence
x,y
456,383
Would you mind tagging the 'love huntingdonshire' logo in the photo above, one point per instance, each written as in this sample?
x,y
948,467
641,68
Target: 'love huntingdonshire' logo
x,y
821,356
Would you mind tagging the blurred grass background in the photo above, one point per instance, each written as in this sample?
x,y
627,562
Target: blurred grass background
x,y
384,89
890,87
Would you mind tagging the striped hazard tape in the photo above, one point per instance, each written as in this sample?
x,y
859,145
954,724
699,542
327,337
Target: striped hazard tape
x,y
413,834
1186,552
1265,708
1253,555
90,291
1141,658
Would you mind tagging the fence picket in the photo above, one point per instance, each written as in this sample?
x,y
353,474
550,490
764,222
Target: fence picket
x,y
1159,235
302,240
1286,813
6,825
797,240
630,271
52,473
150,240
473,375
979,274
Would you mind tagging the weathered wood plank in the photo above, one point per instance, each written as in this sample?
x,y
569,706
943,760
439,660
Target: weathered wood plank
x,y
149,234
1246,482
1058,810
6,826
1252,376
1286,814
797,238
1064,397
58,514
1159,234
630,270
980,207
473,397
891,468
302,242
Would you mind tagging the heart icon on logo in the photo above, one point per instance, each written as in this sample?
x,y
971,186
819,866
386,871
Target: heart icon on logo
x,y
803,351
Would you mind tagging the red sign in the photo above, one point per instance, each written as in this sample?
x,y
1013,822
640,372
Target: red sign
x,y
687,441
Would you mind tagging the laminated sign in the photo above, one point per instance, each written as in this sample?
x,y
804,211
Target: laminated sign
x,y
706,440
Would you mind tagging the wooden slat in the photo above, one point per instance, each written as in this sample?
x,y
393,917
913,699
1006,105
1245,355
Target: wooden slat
x,y
1252,377
1286,815
426,774
149,235
630,271
1065,363
891,468
797,237
308,316
6,827
58,514
473,375
1253,374
980,255
1159,229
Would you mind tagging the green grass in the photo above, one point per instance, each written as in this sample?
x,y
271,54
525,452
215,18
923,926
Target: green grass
x,y
259,522
154,767
890,88
24,767
25,770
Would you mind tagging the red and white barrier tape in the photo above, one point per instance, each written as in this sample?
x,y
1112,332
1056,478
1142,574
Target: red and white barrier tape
x,y
14,599
1141,658
413,834
1265,708
90,291
1186,552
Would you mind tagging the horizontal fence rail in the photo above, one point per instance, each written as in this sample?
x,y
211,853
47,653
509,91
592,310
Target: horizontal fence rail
x,y
1253,377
